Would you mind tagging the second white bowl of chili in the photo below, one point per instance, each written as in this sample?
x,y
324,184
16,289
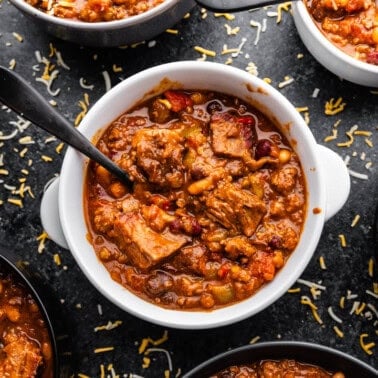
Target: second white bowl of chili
x,y
106,24
341,40
230,197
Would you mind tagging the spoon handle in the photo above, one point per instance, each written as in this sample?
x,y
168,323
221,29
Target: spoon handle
x,y
20,96
235,5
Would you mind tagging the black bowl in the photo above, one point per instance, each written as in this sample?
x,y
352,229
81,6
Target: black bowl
x,y
324,357
7,267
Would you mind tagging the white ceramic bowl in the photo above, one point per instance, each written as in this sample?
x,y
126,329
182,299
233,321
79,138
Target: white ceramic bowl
x,y
327,54
112,33
326,177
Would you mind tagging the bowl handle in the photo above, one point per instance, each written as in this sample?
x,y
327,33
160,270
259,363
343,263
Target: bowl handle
x,y
337,180
50,214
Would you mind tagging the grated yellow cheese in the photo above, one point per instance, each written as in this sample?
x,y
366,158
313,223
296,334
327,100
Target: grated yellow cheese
x,y
295,290
333,107
23,152
360,308
371,267
172,31
254,340
109,326
367,348
368,142
18,37
331,137
46,158
227,16
322,263
16,201
343,240
83,104
355,220
4,172
42,238
57,259
232,31
204,51
146,362
146,341
12,64
338,331
302,109
117,68
282,7
307,301
59,148
104,349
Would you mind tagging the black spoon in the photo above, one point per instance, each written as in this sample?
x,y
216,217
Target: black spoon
x,y
20,96
235,5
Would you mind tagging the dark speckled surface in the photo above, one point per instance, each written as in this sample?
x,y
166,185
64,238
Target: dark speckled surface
x,y
74,302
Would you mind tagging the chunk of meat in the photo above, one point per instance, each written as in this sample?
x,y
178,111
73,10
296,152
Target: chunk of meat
x,y
283,230
159,156
192,258
104,216
21,357
284,180
228,136
156,218
238,246
236,208
145,247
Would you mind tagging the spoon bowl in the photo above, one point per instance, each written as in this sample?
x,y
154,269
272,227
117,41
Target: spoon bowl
x,y
20,96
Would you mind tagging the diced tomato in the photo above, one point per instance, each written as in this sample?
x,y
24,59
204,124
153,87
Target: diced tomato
x,y
178,100
223,271
246,120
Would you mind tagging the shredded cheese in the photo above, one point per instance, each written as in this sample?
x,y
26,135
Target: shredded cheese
x,y
322,263
42,239
282,7
333,316
307,301
338,332
254,340
227,16
204,51
355,220
287,81
367,348
104,349
333,107
258,27
342,240
108,84
109,326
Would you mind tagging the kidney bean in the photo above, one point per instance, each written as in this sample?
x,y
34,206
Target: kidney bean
x,y
275,242
263,148
176,226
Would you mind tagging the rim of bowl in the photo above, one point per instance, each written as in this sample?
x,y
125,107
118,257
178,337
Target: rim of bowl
x,y
102,25
129,301
25,281
293,350
323,40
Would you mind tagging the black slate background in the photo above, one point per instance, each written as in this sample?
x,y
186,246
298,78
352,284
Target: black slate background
x,y
71,299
